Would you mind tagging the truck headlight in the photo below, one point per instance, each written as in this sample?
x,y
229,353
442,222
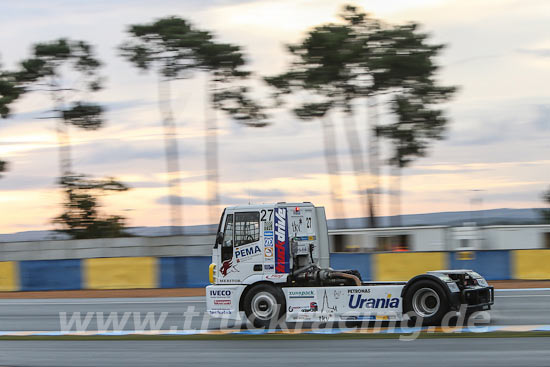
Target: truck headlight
x,y
212,273
453,287
482,282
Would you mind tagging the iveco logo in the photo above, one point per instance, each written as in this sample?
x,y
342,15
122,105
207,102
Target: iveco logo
x,y
220,293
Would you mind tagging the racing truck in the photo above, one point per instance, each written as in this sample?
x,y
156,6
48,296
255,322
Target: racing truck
x,y
270,263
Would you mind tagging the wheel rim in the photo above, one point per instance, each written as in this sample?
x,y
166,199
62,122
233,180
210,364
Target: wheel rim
x,y
426,302
264,305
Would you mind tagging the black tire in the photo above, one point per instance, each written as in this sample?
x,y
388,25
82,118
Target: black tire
x,y
264,305
426,299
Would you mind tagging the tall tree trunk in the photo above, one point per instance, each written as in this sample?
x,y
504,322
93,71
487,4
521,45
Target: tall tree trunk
x,y
62,130
211,154
357,162
396,196
374,162
172,156
333,169
63,140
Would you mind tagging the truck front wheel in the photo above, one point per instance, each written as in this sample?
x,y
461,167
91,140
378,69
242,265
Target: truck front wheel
x,y
264,305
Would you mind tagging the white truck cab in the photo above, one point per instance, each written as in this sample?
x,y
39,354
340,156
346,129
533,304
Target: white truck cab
x,y
272,260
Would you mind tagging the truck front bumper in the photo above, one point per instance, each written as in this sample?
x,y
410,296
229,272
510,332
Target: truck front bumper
x,y
222,301
479,298
474,298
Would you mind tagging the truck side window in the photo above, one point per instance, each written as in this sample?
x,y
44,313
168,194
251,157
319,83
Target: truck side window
x,y
227,244
247,228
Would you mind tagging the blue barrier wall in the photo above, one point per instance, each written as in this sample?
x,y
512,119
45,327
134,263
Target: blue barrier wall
x,y
493,265
192,271
42,275
357,261
184,272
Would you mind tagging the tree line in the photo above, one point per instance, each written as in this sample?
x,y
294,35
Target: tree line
x,y
337,70
173,48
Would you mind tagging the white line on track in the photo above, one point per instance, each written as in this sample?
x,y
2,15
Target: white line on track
x,y
522,290
524,296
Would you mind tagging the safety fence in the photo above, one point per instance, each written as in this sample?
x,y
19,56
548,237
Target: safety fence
x,y
105,273
192,271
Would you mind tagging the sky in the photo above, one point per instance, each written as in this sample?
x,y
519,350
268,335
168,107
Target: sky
x,y
496,153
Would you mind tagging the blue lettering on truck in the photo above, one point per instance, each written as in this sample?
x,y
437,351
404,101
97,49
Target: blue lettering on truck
x,y
358,301
249,251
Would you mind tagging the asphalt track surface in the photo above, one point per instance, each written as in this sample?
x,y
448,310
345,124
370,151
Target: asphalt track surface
x,y
501,352
512,307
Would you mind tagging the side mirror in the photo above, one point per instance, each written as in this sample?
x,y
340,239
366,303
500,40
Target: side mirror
x,y
219,238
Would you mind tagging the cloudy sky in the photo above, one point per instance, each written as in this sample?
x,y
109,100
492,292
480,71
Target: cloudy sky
x,y
498,53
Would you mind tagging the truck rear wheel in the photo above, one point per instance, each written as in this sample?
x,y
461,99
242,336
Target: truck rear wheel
x,y
264,305
426,300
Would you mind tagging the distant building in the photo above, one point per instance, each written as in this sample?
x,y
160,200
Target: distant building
x,y
441,238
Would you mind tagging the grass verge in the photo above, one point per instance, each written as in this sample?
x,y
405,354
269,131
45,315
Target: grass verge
x,y
496,334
